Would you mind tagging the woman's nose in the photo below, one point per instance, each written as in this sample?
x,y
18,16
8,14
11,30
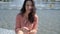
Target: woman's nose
x,y
30,7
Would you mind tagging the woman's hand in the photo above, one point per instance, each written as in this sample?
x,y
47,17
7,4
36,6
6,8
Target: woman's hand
x,y
25,30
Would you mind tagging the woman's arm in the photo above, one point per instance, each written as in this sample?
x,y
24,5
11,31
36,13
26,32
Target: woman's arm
x,y
35,26
18,25
18,28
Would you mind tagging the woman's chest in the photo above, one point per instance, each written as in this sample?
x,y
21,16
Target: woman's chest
x,y
26,23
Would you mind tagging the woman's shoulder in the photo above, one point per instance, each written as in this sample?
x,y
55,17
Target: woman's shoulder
x,y
36,16
19,15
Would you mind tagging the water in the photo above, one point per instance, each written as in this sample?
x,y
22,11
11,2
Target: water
x,y
6,31
49,21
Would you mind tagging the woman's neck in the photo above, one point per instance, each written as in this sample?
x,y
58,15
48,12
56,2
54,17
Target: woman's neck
x,y
26,15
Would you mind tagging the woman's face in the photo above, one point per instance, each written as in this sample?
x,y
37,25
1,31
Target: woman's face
x,y
28,6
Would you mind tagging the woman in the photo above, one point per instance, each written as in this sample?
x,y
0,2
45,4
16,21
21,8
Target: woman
x,y
27,20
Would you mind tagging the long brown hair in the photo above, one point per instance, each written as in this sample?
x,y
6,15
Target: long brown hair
x,y
32,13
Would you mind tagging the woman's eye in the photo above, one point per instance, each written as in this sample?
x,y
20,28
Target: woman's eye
x,y
27,5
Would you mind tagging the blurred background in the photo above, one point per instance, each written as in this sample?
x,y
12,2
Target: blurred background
x,y
48,12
